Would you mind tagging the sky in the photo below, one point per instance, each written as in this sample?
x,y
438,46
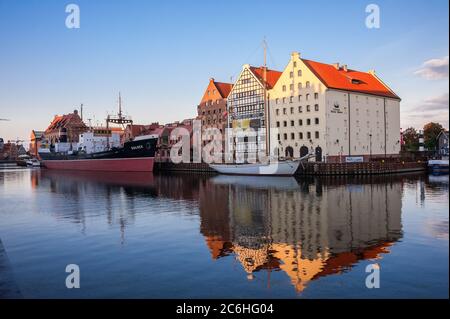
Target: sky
x,y
161,54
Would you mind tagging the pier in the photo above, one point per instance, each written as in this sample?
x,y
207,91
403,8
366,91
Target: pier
x,y
314,168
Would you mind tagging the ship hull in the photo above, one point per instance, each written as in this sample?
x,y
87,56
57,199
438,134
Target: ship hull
x,y
138,164
286,168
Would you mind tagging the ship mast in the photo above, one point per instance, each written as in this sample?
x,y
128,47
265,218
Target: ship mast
x,y
119,119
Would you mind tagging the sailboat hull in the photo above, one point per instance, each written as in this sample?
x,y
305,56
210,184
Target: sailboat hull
x,y
285,168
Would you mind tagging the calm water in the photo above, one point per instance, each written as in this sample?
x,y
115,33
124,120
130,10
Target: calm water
x,y
188,236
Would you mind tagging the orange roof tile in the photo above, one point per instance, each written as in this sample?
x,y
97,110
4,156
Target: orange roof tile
x,y
349,80
272,76
224,88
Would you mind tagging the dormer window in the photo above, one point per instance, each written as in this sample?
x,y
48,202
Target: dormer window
x,y
356,81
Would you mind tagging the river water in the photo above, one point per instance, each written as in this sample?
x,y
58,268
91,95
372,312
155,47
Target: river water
x,y
204,236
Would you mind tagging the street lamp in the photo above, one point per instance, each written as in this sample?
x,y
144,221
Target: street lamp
x,y
370,147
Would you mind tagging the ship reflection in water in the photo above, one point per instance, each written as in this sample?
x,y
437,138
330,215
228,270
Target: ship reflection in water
x,y
260,236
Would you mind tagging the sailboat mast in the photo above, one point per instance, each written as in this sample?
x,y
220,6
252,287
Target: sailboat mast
x,y
266,108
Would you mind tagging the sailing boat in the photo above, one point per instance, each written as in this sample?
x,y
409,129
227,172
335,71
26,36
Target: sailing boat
x,y
277,167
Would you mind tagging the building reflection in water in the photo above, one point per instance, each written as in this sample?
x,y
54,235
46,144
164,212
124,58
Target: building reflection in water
x,y
307,229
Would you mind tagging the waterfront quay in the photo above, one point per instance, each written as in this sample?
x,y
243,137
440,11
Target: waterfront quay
x,y
174,235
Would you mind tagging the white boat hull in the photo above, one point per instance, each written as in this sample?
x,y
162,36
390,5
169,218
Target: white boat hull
x,y
285,168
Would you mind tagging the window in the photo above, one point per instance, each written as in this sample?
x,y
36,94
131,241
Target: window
x,y
284,110
291,87
284,100
316,107
291,74
292,123
300,135
308,135
299,72
307,97
299,98
277,100
278,136
277,111
316,96
308,108
278,124
300,110
308,84
284,123
317,134
316,120
292,110
285,136
300,122
291,99
308,121
295,64
284,88
299,85
292,136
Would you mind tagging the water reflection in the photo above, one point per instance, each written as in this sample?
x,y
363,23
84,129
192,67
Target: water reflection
x,y
305,228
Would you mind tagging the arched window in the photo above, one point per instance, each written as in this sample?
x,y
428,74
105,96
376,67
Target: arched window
x,y
289,151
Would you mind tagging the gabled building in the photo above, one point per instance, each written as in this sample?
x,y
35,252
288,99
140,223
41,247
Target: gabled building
x,y
36,138
246,104
443,143
336,112
213,105
65,128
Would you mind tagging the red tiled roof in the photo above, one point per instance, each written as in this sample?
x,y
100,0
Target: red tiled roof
x,y
272,76
349,80
223,88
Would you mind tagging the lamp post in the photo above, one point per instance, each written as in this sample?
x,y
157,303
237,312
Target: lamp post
x,y
370,147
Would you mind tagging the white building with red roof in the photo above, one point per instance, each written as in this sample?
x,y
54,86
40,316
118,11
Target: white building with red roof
x,y
334,111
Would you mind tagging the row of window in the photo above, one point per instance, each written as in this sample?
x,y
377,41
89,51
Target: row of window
x,y
300,109
299,72
299,98
300,136
299,86
219,111
300,122
210,102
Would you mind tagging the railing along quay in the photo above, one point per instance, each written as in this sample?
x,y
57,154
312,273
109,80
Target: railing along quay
x,y
367,168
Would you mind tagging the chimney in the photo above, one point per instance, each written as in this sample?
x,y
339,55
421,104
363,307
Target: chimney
x,y
75,112
345,67
336,66
211,80
372,72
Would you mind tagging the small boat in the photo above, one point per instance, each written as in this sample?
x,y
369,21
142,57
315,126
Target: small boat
x,y
278,168
33,163
22,160
439,166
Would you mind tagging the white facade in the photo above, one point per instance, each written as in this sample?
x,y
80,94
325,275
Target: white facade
x,y
334,123
91,143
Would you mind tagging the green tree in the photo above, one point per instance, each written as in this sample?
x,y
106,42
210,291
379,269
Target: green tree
x,y
411,139
430,133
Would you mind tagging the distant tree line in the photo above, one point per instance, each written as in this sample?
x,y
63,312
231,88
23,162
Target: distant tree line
x,y
430,133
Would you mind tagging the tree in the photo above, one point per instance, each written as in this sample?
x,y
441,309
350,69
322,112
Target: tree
x,y
411,139
430,133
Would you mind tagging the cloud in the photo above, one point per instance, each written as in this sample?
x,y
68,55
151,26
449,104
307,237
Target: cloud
x,y
434,69
433,109
438,103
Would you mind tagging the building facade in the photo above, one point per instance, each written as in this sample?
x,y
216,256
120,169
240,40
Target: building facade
x,y
36,138
443,143
246,106
336,113
213,105
65,129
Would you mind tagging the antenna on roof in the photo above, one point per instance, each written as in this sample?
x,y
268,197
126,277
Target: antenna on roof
x,y
120,106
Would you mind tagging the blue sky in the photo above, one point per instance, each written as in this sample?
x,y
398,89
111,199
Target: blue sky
x,y
161,54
